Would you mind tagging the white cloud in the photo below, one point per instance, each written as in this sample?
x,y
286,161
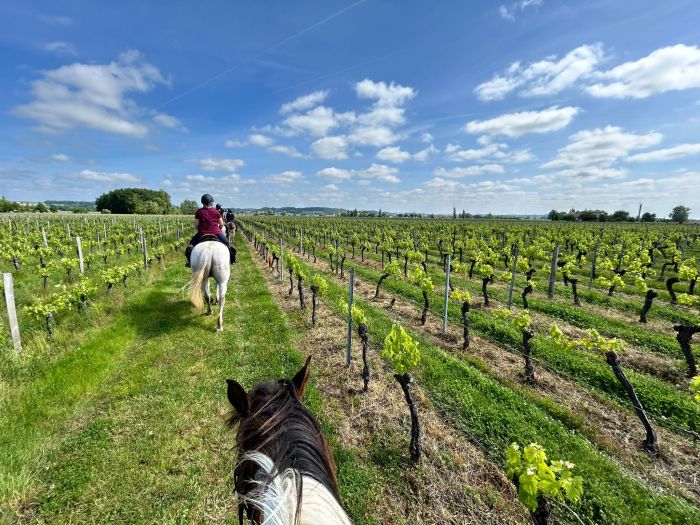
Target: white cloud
x,y
482,169
393,154
426,138
334,174
286,177
517,124
168,121
318,121
380,172
331,148
600,147
423,154
592,173
546,77
212,164
385,95
99,176
682,150
60,48
92,96
373,136
56,20
489,152
231,177
509,13
258,139
60,157
290,151
666,69
232,144
305,102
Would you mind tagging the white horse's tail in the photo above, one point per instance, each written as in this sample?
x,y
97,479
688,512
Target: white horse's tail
x,y
276,499
195,285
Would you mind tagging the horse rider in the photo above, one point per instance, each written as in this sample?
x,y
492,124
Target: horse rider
x,y
208,221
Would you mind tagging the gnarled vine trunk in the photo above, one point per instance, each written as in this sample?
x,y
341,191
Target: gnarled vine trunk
x,y
574,289
669,286
484,283
364,337
314,302
465,325
300,287
528,290
381,280
648,300
649,442
684,336
426,305
405,382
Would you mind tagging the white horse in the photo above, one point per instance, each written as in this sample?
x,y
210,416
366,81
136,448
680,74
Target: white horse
x,y
210,259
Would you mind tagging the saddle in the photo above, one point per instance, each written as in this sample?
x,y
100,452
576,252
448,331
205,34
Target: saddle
x,y
209,237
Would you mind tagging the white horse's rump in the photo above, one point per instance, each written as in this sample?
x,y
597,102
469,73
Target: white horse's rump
x,y
210,259
277,500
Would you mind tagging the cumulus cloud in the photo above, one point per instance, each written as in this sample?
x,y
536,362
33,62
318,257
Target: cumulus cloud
x,y
426,137
318,121
334,174
60,48
380,172
286,177
546,77
488,152
101,176
60,157
92,96
305,102
213,164
592,154
666,69
290,151
373,136
682,150
331,148
260,140
393,154
509,13
168,121
481,169
600,147
423,154
517,124
384,95
234,143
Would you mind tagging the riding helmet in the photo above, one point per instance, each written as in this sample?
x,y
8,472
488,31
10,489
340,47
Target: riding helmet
x,y
207,199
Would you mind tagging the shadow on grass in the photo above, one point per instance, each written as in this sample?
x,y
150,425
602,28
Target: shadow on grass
x,y
161,312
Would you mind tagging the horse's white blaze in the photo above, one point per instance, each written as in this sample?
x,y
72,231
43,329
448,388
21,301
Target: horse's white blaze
x,y
277,500
210,259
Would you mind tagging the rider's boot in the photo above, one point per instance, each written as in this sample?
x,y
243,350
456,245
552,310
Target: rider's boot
x,y
188,253
232,250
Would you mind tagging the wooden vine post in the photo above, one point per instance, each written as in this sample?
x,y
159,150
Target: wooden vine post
x,y
448,266
553,272
9,292
516,252
348,345
79,247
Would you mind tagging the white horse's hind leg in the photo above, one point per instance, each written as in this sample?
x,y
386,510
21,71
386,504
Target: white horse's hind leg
x,y
221,296
207,295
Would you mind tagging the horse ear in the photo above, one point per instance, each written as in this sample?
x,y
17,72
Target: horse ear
x,y
237,397
301,377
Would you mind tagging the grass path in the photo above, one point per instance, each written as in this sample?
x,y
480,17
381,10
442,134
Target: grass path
x,y
128,428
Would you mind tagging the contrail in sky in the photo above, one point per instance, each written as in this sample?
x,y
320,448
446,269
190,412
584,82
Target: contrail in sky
x,y
261,53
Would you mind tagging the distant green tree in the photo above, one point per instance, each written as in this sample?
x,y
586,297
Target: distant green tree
x,y
134,200
679,214
188,207
454,212
648,217
6,205
53,208
620,215
41,207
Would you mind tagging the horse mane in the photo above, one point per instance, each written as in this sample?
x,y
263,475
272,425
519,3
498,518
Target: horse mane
x,y
280,445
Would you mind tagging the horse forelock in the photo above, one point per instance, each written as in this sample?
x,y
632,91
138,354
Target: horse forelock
x,y
280,427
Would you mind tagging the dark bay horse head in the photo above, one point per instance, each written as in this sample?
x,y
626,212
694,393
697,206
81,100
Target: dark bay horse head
x,y
273,421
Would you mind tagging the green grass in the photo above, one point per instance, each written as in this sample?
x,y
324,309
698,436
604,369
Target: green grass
x,y
494,416
129,426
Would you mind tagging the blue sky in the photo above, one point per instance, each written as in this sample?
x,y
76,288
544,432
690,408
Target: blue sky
x,y
515,107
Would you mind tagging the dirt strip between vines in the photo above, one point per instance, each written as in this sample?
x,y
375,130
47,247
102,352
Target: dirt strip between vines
x,y
454,483
615,430
664,367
